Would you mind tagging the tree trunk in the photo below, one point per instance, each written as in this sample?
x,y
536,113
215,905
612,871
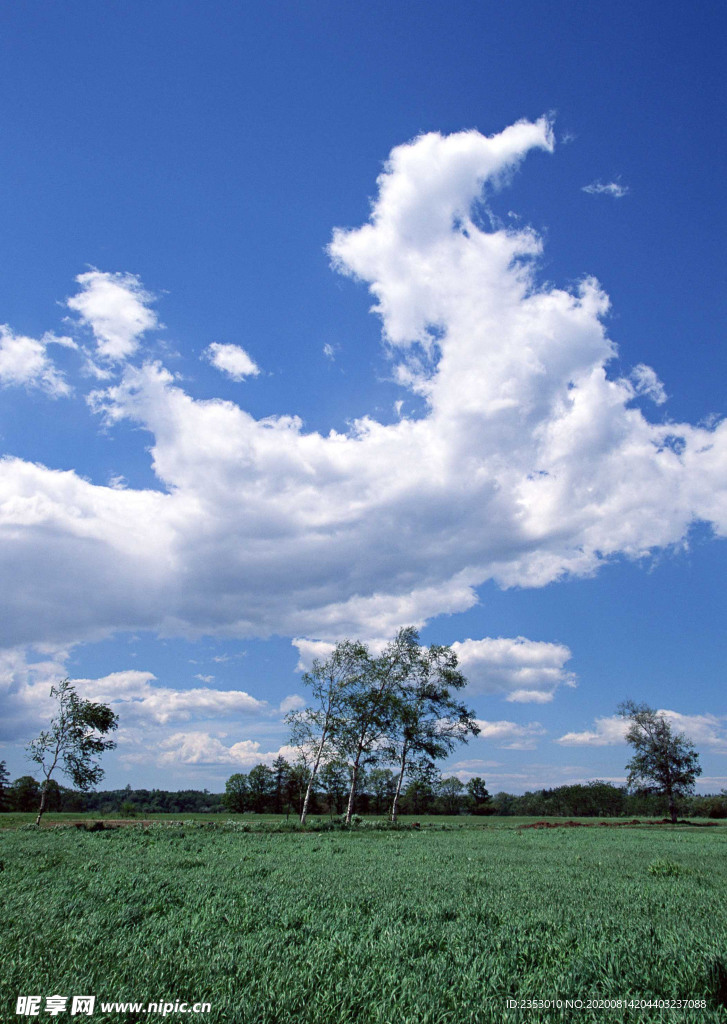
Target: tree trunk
x,y
352,793
672,807
311,780
43,792
395,804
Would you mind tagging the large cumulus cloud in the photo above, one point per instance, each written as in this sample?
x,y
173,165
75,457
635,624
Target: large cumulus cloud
x,y
530,462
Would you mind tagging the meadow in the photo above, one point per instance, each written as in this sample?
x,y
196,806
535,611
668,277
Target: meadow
x,y
440,924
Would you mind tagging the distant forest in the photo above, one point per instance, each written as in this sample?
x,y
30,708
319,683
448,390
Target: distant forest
x,y
261,792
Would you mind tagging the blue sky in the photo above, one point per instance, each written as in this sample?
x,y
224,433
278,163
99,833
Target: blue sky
x,y
213,447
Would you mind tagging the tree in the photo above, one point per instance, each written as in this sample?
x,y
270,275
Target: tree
x,y
370,706
298,789
74,741
236,793
334,779
260,782
479,796
4,779
663,762
428,719
24,793
449,791
313,729
281,771
382,786
423,781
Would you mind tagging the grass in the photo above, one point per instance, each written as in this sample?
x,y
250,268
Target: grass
x,y
412,927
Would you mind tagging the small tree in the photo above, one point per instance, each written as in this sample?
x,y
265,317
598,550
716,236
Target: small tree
x,y
236,793
480,798
423,782
663,762
449,791
74,741
298,788
382,786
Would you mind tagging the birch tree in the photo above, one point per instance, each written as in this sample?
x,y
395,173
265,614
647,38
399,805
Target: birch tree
x,y
428,719
74,741
313,729
370,706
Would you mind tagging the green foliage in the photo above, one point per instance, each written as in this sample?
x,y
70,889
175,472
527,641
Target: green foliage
x,y
397,707
236,793
479,797
74,741
663,762
24,793
351,926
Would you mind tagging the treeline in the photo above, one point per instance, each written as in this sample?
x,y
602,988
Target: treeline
x,y
603,800
281,790
284,788
24,794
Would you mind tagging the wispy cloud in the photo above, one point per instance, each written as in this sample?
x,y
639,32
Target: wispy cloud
x,y
510,735
607,188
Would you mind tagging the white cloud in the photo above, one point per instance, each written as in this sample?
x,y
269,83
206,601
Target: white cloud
x,y
25,681
704,730
310,651
606,733
133,696
474,765
510,735
524,670
116,308
647,383
185,748
232,360
293,702
25,362
610,188
528,465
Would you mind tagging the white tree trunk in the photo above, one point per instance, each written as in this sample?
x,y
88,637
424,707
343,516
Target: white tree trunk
x,y
352,793
402,767
311,780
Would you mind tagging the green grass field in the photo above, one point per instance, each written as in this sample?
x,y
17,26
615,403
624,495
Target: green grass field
x,y
410,927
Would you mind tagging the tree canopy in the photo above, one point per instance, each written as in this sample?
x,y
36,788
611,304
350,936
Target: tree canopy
x,y
396,707
74,741
664,761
